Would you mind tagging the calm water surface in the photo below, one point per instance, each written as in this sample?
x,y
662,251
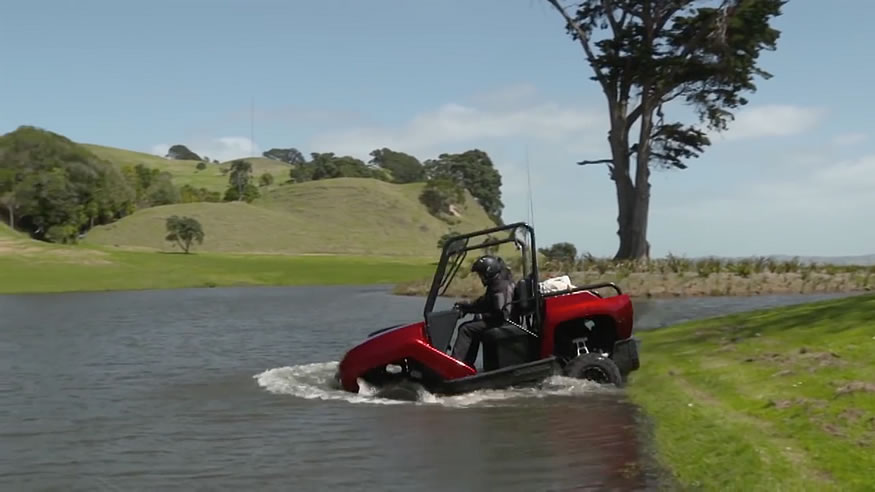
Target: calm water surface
x,y
228,389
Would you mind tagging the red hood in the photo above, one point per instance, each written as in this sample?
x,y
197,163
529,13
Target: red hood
x,y
392,344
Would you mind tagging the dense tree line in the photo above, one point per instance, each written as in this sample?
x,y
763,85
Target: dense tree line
x,y
446,177
56,190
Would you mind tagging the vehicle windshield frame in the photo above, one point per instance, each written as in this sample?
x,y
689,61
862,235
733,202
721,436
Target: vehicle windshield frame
x,y
456,248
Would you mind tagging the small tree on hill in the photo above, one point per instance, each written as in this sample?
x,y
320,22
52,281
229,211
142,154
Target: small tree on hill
x,y
560,252
184,230
445,238
472,170
181,152
289,156
404,167
439,194
265,179
241,171
250,193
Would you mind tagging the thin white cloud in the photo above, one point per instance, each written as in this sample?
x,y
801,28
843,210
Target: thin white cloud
x,y
771,120
848,139
454,125
221,149
515,95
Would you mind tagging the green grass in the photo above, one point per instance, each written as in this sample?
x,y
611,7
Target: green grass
x,y
130,270
782,399
352,216
185,172
33,266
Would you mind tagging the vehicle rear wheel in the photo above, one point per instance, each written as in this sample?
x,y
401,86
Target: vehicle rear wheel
x,y
402,389
594,367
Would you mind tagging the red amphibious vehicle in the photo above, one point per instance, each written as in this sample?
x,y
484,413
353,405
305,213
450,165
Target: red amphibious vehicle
x,y
575,332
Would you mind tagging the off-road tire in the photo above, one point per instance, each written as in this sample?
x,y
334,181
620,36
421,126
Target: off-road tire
x,y
594,367
399,390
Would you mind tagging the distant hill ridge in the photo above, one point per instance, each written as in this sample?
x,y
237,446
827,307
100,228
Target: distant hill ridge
x,y
357,216
108,196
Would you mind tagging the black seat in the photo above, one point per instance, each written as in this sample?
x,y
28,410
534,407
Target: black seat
x,y
522,305
507,345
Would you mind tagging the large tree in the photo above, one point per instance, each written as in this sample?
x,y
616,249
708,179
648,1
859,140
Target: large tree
x,y
181,152
647,53
183,230
241,172
474,171
405,168
289,156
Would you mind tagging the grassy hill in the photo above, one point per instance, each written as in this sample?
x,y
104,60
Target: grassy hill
x,y
337,216
351,216
186,172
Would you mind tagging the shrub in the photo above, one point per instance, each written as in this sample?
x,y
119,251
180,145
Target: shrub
x,y
183,230
439,194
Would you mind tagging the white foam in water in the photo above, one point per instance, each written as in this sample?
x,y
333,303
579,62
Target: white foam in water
x,y
316,381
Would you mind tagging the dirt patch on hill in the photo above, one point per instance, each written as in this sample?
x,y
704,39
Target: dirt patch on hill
x,y
802,358
855,387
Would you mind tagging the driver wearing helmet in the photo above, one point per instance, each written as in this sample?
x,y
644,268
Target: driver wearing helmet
x,y
493,306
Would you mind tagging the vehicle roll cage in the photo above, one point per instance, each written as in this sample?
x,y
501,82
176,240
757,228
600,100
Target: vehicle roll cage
x,y
457,246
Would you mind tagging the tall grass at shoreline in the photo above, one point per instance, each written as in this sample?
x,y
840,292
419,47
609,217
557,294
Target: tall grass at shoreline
x,y
675,276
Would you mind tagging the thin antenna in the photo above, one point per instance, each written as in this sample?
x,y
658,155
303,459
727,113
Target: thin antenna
x,y
252,126
531,211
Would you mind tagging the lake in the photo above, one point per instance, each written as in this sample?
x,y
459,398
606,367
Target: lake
x,y
228,389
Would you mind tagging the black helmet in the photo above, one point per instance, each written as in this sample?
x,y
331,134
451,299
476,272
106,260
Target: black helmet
x,y
488,267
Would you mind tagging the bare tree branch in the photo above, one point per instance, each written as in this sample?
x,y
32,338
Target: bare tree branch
x,y
608,5
598,161
584,41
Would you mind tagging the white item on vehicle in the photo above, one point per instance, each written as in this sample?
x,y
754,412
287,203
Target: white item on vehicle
x,y
556,284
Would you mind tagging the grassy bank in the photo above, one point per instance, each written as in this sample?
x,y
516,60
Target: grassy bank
x,y
677,277
773,400
33,266
90,270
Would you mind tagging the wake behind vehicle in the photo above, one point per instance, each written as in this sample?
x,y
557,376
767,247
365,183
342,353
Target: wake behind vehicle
x,y
572,331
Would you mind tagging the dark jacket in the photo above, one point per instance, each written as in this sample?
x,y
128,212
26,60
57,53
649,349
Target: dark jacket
x,y
494,304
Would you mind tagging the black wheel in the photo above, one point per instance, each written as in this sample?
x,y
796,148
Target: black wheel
x,y
399,390
594,367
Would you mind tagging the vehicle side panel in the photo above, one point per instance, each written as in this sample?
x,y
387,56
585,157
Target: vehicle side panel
x,y
403,342
558,309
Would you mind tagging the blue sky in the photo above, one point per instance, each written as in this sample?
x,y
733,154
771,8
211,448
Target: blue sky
x,y
794,175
